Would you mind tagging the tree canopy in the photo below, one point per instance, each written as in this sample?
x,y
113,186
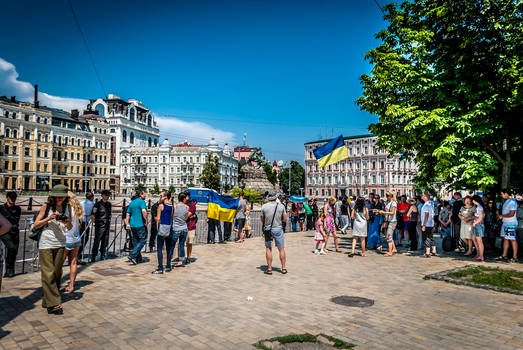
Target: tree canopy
x,y
446,86
297,178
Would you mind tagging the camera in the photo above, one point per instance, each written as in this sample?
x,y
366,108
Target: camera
x,y
61,217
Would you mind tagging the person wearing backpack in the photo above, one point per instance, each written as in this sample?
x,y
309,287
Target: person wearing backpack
x,y
52,221
164,229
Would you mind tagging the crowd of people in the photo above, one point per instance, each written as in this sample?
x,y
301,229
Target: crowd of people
x,y
469,225
62,226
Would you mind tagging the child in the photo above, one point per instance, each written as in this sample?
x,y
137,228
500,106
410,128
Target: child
x,y
319,236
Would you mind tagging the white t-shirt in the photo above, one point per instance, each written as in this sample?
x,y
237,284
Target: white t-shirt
x,y
427,208
509,205
388,209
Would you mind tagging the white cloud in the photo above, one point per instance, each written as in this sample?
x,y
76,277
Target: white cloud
x,y
24,91
178,130
175,129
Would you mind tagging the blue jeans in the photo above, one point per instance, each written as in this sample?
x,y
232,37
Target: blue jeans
x,y
212,224
179,236
139,235
294,221
344,222
168,248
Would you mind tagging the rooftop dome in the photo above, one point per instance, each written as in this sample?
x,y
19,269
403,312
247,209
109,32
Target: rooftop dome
x,y
165,143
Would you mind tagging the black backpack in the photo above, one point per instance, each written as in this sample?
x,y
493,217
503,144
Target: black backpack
x,y
448,244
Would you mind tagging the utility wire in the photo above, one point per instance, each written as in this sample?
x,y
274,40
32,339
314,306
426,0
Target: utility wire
x,y
87,47
381,9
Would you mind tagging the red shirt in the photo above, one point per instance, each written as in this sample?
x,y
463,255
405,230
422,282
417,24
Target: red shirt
x,y
403,206
191,223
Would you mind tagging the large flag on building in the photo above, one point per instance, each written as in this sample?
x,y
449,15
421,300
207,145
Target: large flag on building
x,y
331,152
221,208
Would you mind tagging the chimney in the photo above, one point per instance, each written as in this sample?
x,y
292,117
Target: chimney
x,y
13,99
36,103
75,114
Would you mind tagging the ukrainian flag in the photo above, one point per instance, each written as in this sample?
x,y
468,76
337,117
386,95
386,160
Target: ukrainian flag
x,y
221,208
331,152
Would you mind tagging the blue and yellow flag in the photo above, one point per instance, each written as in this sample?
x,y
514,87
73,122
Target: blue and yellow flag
x,y
331,152
221,208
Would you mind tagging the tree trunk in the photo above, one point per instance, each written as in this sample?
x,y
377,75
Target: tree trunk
x,y
505,173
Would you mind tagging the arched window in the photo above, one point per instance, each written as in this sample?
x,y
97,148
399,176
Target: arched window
x,y
131,138
131,114
149,120
100,109
15,133
6,114
155,142
124,136
39,137
150,142
7,131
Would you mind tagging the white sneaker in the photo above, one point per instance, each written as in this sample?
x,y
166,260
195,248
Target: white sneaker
x,y
316,251
322,252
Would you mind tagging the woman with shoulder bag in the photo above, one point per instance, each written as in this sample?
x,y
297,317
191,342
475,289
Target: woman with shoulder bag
x,y
164,218
54,219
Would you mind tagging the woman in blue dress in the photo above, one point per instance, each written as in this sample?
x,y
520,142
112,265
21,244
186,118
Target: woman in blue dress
x,y
373,239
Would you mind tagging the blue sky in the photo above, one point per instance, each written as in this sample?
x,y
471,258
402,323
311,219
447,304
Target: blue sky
x,y
284,72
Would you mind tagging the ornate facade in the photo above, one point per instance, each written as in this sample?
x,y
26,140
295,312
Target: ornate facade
x,y
367,170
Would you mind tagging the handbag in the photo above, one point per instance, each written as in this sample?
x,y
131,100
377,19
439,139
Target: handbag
x,y
35,233
267,232
165,230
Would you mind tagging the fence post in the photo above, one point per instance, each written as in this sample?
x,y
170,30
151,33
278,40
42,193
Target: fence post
x,y
149,207
25,239
123,204
30,205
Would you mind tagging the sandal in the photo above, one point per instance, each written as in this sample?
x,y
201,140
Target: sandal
x,y
268,272
57,310
388,254
513,260
350,255
501,258
284,271
363,254
338,251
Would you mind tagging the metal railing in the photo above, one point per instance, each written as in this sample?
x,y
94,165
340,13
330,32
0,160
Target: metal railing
x,y
118,241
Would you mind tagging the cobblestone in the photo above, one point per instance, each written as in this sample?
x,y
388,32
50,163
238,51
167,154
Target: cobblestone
x,y
204,305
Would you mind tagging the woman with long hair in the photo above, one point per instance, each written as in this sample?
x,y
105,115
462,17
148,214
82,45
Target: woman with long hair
x,y
390,221
330,227
360,214
412,222
54,219
466,215
373,238
73,239
479,227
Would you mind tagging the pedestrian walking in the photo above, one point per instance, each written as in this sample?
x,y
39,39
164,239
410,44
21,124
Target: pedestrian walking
x,y
191,226
319,235
85,229
328,210
11,239
478,227
136,221
101,216
273,218
54,219
510,224
466,215
344,216
427,225
360,214
73,240
163,219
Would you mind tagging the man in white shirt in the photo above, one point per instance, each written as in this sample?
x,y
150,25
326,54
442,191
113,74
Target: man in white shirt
x,y
510,225
427,225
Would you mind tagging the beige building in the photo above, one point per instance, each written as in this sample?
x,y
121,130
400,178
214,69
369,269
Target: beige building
x,y
367,170
42,147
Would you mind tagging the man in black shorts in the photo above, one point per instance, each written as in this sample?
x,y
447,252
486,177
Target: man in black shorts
x,y
240,217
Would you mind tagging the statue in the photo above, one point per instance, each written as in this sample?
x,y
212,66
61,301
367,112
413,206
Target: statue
x,y
256,157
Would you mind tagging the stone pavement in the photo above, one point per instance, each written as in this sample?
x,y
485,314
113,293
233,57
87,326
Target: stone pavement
x,y
205,306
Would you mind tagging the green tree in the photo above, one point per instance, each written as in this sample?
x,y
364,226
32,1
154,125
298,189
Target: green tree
x,y
156,189
297,178
140,187
172,189
249,194
446,85
210,177
272,175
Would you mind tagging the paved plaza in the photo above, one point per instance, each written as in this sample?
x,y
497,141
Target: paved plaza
x,y
205,305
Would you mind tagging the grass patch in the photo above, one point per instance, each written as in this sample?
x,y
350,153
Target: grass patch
x,y
493,276
302,338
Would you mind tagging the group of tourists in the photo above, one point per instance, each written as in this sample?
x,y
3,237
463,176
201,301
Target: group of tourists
x,y
468,225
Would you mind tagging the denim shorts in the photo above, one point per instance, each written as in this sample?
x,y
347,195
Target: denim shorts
x,y
277,236
479,230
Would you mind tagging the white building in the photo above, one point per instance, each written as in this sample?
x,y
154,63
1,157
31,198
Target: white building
x,y
176,166
131,125
367,170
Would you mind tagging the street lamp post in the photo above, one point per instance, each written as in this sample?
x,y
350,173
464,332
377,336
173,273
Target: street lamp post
x,y
289,167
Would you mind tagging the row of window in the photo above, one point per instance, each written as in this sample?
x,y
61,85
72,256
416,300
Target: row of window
x,y
350,165
150,141
63,170
26,117
365,179
56,139
100,108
